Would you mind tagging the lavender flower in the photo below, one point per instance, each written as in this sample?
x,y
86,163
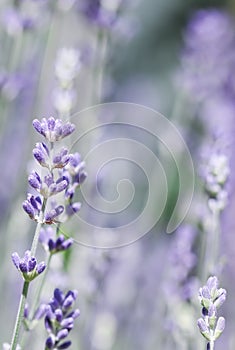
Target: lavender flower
x,y
52,243
53,129
59,320
32,206
41,154
215,175
47,187
28,265
211,298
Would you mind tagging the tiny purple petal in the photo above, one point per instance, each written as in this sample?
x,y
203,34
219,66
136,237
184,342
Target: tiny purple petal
x,y
50,342
32,264
59,296
68,302
28,208
41,311
67,244
58,315
67,323
51,123
23,267
48,324
64,345
63,333
41,267
37,126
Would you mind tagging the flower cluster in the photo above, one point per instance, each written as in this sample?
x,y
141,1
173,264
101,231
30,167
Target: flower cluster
x,y
28,266
211,298
53,243
59,320
215,177
71,173
53,129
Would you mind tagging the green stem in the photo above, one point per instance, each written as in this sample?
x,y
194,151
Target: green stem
x,y
38,228
212,246
212,345
98,74
20,315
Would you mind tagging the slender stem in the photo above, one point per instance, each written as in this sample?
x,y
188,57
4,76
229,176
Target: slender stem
x,y
20,315
212,246
98,74
38,228
212,345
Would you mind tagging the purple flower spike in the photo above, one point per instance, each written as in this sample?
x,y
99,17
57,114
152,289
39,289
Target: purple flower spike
x,y
28,266
211,298
60,314
53,129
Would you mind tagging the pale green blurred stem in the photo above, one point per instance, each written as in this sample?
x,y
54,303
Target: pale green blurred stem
x,y
99,68
19,317
212,246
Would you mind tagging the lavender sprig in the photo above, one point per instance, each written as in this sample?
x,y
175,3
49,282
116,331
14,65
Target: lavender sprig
x,y
53,130
59,320
211,298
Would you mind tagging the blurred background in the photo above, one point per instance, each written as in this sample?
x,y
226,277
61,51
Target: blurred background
x,y
177,58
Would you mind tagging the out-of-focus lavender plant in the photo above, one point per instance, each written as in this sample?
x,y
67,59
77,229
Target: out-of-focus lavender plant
x,y
209,48
49,185
211,298
180,287
67,66
100,12
215,175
